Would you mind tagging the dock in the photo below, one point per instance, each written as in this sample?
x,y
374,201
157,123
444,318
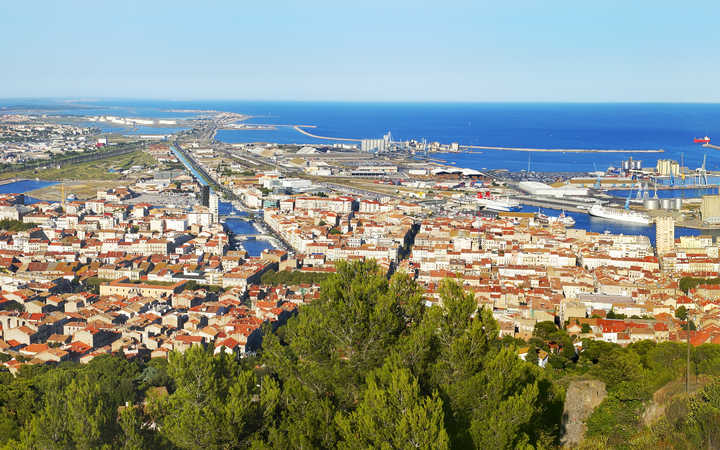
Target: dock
x,y
550,203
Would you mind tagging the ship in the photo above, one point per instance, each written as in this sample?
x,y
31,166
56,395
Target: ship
x,y
550,220
705,140
620,215
497,204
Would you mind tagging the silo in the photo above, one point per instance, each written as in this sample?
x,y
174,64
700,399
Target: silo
x,y
651,203
678,203
667,203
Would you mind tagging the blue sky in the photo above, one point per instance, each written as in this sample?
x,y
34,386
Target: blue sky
x,y
375,51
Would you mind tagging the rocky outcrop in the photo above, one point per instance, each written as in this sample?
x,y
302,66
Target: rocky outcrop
x,y
581,399
672,390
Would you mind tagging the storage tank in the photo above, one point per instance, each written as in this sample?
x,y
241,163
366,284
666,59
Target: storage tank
x,y
678,203
667,203
651,203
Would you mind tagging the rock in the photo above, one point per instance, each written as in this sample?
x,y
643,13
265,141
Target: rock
x,y
581,399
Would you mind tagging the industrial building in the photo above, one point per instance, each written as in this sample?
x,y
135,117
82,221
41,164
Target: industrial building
x,y
668,167
710,209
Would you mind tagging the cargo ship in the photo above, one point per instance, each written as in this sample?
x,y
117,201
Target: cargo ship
x,y
620,215
705,140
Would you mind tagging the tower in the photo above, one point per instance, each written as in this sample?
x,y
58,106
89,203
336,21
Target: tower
x,y
664,235
213,201
205,196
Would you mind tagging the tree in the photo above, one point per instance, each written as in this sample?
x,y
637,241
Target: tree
x,y
211,407
681,313
394,414
135,435
704,417
77,412
545,330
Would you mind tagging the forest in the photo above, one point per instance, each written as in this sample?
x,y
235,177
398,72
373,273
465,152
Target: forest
x,y
368,365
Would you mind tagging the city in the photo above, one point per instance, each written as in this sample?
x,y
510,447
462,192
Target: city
x,y
375,225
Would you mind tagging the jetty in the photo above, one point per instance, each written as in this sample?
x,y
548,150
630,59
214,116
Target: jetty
x,y
300,129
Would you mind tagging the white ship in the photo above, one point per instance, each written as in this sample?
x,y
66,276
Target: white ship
x,y
499,204
549,220
620,215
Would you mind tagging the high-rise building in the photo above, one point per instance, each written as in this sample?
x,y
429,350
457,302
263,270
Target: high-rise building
x,y
214,201
664,234
205,196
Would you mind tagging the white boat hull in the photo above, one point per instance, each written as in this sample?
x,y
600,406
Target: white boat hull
x,y
620,215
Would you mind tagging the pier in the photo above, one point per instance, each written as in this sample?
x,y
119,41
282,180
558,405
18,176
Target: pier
x,y
300,129
550,203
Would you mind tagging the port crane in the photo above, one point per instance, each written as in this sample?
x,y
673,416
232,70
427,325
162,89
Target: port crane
x,y
702,173
598,184
627,201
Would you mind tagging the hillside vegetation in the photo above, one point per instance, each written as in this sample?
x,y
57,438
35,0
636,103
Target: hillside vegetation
x,y
366,365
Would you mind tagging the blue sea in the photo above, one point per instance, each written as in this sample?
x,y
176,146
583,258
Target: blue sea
x,y
668,126
640,126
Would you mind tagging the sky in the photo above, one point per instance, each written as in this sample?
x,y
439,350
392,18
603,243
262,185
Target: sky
x,y
475,51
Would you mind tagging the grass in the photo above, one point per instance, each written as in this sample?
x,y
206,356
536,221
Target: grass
x,y
15,225
81,189
92,170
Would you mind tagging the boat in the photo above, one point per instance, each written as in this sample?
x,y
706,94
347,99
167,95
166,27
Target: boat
x,y
551,220
620,215
542,218
705,140
497,204
565,220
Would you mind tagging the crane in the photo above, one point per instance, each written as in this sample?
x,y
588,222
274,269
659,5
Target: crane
x,y
627,201
597,180
702,172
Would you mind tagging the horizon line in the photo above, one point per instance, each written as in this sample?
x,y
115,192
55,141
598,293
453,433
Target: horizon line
x,y
76,99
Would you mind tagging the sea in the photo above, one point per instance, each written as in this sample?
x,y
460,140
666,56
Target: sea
x,y
624,126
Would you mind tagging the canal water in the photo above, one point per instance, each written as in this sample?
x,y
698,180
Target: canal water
x,y
240,226
23,186
189,166
254,247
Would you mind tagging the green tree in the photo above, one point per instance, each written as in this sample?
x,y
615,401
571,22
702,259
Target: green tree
x,y
212,406
681,313
394,414
704,417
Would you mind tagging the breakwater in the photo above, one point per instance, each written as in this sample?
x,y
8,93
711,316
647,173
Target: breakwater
x,y
300,129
